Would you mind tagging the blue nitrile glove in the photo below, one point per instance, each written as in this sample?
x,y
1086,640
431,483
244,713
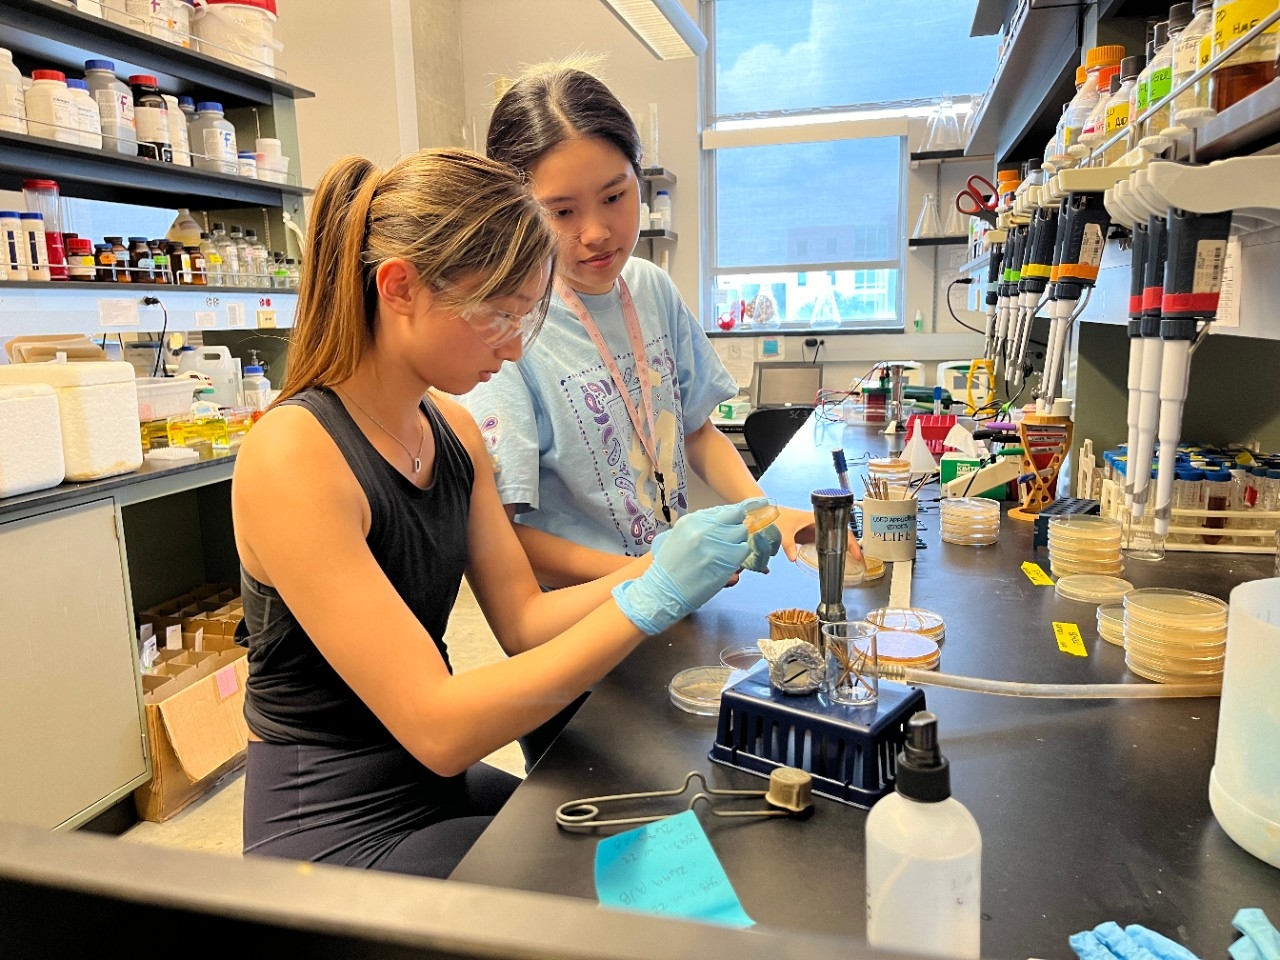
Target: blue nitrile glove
x,y
764,544
1108,942
1260,940
690,565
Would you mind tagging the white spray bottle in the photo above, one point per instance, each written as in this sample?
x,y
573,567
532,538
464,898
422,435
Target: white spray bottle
x,y
924,857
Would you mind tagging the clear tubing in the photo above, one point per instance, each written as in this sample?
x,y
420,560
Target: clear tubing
x,y
1148,416
1051,691
1135,398
1174,375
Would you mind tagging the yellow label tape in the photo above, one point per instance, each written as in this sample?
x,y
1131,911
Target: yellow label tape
x,y
1069,639
1036,574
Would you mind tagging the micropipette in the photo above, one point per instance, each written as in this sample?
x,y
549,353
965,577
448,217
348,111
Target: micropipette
x,y
1141,456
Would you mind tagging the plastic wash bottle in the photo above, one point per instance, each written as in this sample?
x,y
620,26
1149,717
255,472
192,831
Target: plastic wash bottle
x,y
924,857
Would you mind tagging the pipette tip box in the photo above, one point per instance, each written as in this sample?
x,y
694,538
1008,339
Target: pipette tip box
x,y
851,752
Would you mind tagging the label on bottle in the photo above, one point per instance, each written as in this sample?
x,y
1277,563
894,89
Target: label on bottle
x,y
12,104
1117,116
1233,20
1185,56
1204,51
152,124
115,108
1144,95
161,262
1159,84
219,144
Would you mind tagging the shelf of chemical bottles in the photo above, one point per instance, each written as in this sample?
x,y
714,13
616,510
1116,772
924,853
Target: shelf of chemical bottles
x,y
659,175
938,241
1036,73
98,175
105,309
43,33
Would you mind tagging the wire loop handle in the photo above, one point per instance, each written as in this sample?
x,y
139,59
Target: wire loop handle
x,y
583,815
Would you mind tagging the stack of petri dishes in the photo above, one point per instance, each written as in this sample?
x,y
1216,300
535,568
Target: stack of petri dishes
x,y
915,620
970,521
1174,636
1084,544
894,471
1111,623
907,649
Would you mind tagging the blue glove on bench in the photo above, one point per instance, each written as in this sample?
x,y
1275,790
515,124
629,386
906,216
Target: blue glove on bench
x,y
690,564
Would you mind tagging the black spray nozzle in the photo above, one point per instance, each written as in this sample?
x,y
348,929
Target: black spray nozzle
x,y
923,773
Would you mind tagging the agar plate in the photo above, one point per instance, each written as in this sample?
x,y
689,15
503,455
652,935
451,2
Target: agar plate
x,y
741,656
1092,588
697,690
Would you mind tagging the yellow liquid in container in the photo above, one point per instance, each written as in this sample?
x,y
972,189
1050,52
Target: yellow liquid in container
x,y
187,432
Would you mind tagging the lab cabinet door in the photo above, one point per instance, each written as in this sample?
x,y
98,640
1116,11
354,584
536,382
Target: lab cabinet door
x,y
71,734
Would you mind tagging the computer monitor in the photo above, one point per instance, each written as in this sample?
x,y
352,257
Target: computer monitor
x,y
783,384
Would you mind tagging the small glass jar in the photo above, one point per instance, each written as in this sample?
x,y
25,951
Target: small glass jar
x,y
80,262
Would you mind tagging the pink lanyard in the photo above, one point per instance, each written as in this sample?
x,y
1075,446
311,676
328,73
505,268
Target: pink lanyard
x,y
643,370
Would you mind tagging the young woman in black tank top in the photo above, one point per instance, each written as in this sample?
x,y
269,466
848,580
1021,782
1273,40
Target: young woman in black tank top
x,y
364,496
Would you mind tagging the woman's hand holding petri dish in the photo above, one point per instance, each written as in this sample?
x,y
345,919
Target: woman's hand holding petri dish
x,y
760,517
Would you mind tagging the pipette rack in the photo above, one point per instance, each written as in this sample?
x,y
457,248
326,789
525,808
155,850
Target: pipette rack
x,y
1045,438
850,752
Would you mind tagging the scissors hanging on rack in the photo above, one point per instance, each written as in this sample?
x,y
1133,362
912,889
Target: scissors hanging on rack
x,y
978,198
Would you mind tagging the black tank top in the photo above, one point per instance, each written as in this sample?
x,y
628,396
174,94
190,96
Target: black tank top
x,y
418,538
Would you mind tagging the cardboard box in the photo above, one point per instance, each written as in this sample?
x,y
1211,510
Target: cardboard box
x,y
194,707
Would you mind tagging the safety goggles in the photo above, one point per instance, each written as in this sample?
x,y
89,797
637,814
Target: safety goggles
x,y
495,326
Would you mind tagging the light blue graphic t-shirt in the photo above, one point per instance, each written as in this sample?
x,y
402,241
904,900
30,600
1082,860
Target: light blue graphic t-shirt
x,y
566,452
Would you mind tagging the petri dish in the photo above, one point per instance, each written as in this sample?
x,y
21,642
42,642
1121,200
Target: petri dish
x,y
855,569
907,649
697,690
1162,671
740,656
910,620
1177,608
1092,587
761,517
1111,623
1084,527
874,569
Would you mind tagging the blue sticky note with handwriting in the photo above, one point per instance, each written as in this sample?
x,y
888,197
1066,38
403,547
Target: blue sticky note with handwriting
x,y
667,867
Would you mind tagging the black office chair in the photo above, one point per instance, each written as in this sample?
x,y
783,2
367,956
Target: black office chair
x,y
768,429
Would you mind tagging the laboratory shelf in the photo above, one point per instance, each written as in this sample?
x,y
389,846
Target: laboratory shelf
x,y
659,235
1036,73
106,309
42,33
976,265
1252,123
97,175
938,241
659,175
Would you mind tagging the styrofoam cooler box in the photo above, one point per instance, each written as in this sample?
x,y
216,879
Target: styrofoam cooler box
x,y
97,410
30,439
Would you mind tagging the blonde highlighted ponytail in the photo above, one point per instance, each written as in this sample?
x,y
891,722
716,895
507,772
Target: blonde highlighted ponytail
x,y
453,214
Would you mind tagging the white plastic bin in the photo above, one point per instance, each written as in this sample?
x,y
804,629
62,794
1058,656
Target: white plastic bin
x,y
241,32
162,397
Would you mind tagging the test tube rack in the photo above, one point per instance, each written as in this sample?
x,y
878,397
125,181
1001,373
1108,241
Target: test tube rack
x,y
1045,442
1242,531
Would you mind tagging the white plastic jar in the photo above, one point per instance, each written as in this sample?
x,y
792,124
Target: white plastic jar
x,y
178,132
171,22
13,103
12,245
115,107
213,140
37,252
88,119
50,111
241,32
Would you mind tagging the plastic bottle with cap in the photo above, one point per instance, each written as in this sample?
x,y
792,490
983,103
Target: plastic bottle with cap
x,y
1056,156
1086,98
1095,128
1186,58
50,110
1142,86
13,101
1160,81
255,388
115,107
924,857
88,120
213,140
151,117
1118,108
